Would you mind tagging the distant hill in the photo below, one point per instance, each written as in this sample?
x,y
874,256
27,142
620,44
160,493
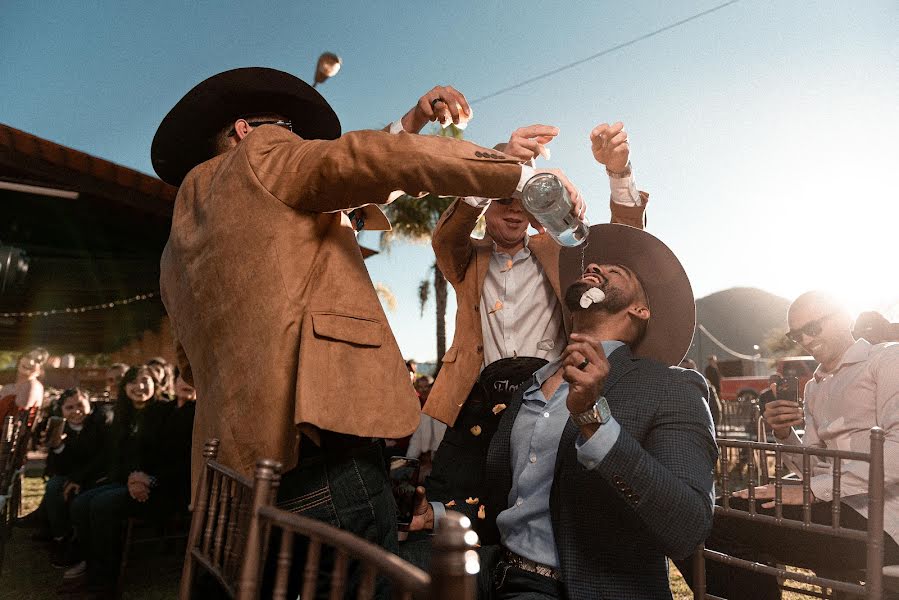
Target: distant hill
x,y
739,318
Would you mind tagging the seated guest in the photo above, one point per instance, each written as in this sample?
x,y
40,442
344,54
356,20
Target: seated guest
x,y
139,482
76,461
113,377
603,466
855,387
180,425
27,392
162,373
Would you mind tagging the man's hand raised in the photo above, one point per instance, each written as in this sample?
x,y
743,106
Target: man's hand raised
x,y
527,143
610,146
439,100
585,368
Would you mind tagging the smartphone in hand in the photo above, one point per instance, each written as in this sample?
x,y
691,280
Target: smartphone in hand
x,y
788,389
403,481
56,426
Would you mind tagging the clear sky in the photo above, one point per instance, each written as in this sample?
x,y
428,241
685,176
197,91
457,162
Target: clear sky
x,y
764,132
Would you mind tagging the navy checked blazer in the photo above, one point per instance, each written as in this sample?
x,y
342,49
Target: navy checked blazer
x,y
651,497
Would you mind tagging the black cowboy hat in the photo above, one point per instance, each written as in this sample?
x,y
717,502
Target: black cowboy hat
x,y
185,137
669,331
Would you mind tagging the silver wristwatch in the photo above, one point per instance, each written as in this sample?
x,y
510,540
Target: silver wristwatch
x,y
598,413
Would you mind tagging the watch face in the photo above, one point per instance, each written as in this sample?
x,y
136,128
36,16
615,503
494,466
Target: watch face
x,y
602,409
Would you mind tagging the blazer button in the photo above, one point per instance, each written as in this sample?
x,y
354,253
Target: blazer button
x,y
617,479
635,498
480,349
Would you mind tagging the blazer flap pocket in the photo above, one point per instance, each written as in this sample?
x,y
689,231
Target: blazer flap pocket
x,y
348,328
450,355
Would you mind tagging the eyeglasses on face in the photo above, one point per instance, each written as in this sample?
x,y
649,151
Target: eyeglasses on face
x,y
811,329
288,125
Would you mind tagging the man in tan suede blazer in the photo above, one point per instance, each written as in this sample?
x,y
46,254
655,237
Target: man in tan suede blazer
x,y
278,325
508,355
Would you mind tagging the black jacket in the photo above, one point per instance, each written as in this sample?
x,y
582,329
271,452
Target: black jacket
x,y
650,498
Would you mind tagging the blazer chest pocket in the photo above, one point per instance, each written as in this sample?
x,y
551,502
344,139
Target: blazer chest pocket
x,y
360,331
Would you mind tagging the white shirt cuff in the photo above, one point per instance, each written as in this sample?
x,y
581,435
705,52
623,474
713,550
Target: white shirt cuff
x,y
624,191
593,451
396,127
439,512
476,202
59,449
527,172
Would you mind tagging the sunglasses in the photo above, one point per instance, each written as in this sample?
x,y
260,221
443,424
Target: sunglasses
x,y
288,125
811,329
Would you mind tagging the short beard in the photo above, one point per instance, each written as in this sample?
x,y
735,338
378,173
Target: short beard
x,y
614,302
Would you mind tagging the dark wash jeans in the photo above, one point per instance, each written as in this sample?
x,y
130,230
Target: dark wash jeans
x,y
343,483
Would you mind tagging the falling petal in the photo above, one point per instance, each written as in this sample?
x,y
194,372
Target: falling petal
x,y
499,408
482,512
476,430
471,500
450,503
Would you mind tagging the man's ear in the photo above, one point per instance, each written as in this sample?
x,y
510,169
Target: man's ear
x,y
639,311
241,128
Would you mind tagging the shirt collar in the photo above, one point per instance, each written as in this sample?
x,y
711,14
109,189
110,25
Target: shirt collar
x,y
856,353
526,250
544,372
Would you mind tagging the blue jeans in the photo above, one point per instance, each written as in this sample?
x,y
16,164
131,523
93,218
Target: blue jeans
x,y
55,505
344,483
99,516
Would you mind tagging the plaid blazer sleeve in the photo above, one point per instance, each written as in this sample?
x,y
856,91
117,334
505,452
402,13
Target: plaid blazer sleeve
x,y
668,479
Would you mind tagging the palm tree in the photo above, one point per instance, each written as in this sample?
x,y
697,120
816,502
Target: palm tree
x,y
413,220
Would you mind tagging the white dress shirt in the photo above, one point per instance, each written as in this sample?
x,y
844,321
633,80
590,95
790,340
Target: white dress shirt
x,y
841,407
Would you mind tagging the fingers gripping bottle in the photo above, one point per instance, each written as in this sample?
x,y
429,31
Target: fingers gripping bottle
x,y
546,198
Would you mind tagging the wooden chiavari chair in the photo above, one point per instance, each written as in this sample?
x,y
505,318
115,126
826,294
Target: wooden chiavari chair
x,y
872,587
221,520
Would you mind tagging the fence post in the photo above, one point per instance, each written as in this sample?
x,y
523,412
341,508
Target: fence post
x,y
874,567
454,564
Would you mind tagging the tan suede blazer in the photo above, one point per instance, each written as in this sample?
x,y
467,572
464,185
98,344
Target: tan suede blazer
x,y
277,322
464,262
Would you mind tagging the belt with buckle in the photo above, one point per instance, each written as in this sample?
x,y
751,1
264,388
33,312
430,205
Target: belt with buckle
x,y
532,566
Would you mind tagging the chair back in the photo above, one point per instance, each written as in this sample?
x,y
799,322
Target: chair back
x,y
873,537
453,564
223,514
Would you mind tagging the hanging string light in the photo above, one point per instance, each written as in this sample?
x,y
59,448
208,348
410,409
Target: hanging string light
x,y
79,309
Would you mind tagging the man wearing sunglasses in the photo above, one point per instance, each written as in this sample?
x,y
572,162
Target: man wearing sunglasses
x,y
855,387
509,318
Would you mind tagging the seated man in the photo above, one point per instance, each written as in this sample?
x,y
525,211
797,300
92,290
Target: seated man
x,y
855,388
603,466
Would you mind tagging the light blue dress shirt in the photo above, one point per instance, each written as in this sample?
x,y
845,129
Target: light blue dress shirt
x,y
526,526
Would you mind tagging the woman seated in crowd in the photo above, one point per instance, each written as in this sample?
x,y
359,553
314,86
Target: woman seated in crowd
x,y
144,480
76,462
27,392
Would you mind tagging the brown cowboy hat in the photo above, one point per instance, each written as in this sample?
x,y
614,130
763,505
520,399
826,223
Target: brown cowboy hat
x,y
185,137
669,331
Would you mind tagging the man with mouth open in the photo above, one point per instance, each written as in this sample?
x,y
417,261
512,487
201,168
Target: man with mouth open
x,y
602,465
509,318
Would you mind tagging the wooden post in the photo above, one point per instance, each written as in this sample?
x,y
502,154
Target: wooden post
x,y
874,568
268,473
454,563
210,452
699,573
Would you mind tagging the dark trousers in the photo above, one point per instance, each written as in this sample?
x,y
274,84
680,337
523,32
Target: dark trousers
x,y
98,516
56,507
826,555
344,483
515,584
